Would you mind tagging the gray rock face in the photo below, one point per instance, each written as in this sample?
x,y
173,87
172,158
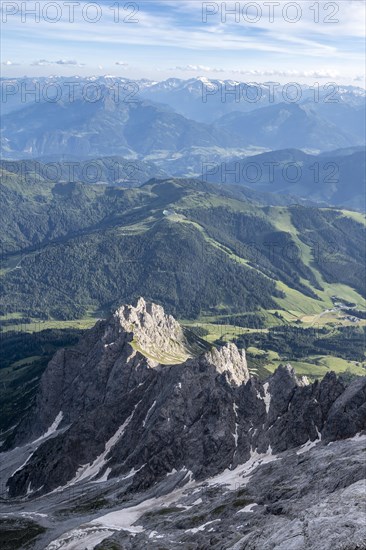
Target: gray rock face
x,y
139,396
347,414
230,360
296,502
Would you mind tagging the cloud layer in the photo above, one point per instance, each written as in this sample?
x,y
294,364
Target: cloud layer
x,y
326,39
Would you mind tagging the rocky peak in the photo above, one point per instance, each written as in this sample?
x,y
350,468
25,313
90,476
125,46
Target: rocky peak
x,y
156,335
230,360
105,408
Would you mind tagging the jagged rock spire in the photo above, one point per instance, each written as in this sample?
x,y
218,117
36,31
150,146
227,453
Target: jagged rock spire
x,y
155,334
231,360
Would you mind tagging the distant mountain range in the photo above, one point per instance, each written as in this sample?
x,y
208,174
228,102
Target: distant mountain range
x,y
293,125
145,118
101,128
336,178
201,99
205,100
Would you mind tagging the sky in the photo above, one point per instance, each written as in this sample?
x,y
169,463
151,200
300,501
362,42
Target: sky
x,y
305,41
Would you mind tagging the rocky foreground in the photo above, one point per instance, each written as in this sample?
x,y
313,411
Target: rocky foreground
x,y
143,437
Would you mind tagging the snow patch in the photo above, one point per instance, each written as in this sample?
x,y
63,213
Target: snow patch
x,y
22,466
33,514
52,429
202,527
148,413
235,434
88,471
267,396
131,473
104,476
247,509
195,491
189,475
309,444
240,476
86,538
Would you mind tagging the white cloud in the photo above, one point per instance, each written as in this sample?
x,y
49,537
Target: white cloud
x,y
198,68
322,73
42,62
66,62
9,63
305,37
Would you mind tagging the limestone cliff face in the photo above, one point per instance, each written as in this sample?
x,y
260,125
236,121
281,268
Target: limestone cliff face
x,y
157,335
139,393
231,361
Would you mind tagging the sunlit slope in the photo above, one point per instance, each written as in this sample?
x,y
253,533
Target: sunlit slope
x,y
71,249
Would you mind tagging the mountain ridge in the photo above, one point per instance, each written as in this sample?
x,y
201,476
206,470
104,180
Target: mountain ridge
x,y
127,411
180,260
131,126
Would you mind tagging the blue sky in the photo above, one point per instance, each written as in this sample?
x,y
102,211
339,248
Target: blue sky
x,y
188,38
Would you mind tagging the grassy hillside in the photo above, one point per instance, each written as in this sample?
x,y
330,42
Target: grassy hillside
x,y
70,250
